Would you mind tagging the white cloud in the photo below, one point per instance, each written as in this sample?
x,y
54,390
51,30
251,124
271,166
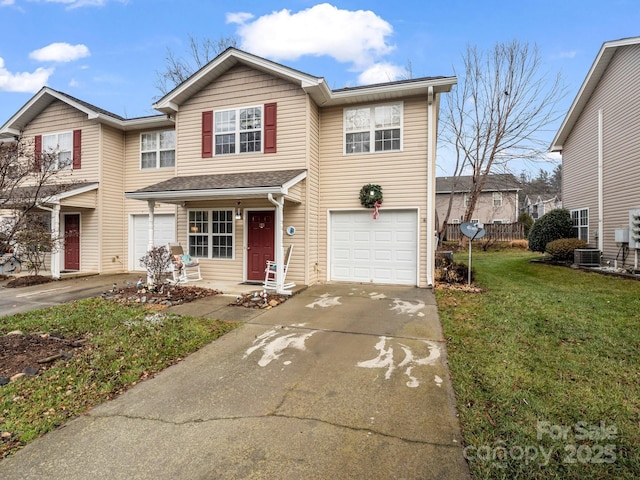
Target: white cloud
x,y
23,81
60,52
239,17
356,37
71,4
381,73
6,3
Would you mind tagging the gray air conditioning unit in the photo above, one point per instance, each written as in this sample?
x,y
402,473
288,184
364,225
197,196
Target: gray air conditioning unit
x,y
586,257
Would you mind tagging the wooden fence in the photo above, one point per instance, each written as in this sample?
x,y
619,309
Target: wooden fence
x,y
502,232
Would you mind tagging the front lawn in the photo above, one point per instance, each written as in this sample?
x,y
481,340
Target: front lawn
x,y
108,348
545,366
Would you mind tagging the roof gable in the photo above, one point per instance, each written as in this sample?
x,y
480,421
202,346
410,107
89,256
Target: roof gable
x,y
46,96
316,87
596,72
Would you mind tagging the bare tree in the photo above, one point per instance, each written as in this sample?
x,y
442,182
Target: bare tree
x,y
498,112
201,52
27,180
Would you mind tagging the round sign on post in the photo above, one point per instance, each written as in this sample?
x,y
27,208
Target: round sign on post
x,y
473,231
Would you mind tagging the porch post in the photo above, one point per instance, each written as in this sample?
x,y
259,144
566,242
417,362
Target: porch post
x,y
151,204
55,235
279,247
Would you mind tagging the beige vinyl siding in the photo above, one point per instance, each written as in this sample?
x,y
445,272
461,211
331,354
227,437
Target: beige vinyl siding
x,y
60,117
312,190
135,177
618,95
82,200
243,87
112,227
402,175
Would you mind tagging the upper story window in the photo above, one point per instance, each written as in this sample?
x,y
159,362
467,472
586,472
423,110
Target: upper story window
x,y
238,131
497,199
465,200
57,151
376,128
158,149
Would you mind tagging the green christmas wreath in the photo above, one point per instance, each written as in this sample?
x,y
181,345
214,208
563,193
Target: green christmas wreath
x,y
370,195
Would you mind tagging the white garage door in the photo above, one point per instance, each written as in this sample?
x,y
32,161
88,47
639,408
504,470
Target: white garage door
x,y
164,231
379,251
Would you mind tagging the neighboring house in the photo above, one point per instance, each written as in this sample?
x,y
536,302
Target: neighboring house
x,y
537,205
497,203
599,140
247,158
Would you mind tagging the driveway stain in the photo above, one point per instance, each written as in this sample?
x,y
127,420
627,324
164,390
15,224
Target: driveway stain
x,y
273,345
325,301
385,360
408,308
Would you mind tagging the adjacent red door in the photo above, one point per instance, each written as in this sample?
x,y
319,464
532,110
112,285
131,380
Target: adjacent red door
x,y
72,242
260,240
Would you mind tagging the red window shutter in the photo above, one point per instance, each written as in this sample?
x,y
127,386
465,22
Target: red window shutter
x,y
270,130
207,134
37,153
77,149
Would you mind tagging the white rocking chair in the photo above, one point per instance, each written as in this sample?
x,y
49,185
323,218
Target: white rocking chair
x,y
185,268
270,277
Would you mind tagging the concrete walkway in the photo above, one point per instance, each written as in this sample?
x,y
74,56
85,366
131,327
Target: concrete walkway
x,y
340,381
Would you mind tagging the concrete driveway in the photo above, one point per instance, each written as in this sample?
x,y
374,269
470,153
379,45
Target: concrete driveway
x,y
341,381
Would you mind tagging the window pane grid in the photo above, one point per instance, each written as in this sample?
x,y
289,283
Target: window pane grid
x,y
382,123
157,149
216,244
238,131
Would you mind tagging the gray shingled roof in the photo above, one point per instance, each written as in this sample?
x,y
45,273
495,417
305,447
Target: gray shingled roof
x,y
224,181
500,182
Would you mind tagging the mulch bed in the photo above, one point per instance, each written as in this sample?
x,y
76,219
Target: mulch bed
x,y
166,295
33,354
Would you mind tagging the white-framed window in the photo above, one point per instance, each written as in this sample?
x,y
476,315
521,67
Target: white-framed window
x,y
375,128
580,220
475,220
59,146
466,200
500,220
455,221
497,199
238,130
158,149
210,233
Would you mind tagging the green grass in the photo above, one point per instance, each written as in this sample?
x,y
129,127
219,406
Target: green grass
x,y
125,345
543,355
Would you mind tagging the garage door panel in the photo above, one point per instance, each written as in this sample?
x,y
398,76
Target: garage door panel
x,y
378,251
164,232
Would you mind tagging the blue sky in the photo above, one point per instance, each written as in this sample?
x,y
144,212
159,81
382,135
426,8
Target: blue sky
x,y
107,52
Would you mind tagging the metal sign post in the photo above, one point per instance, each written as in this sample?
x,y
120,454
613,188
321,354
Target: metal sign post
x,y
472,231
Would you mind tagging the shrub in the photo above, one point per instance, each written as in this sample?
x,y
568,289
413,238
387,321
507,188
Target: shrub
x,y
551,226
525,219
453,272
562,250
519,244
157,262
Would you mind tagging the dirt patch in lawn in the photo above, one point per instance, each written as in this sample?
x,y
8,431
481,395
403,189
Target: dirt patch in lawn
x,y
27,281
33,354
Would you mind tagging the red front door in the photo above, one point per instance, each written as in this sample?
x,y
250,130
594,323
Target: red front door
x,y
72,242
260,239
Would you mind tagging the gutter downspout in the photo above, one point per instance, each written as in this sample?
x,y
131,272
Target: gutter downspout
x,y
279,247
431,208
600,181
